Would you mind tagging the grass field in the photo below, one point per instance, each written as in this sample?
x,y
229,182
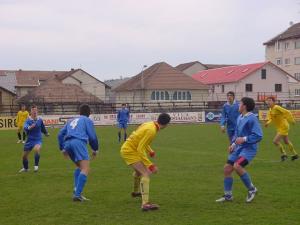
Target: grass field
x,y
190,159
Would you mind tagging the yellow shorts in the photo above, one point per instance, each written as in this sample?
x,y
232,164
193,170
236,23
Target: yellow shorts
x,y
284,131
20,128
130,158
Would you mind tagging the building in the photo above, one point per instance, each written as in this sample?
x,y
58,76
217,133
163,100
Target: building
x,y
160,83
25,81
284,50
258,80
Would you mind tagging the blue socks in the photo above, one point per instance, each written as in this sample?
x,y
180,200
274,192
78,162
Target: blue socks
x,y
119,136
80,184
228,181
76,174
125,136
36,159
247,181
25,164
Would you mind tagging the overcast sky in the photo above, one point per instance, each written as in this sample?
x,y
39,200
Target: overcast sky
x,y
113,38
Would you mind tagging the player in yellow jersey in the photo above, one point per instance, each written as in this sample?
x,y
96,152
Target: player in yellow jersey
x,y
20,120
134,151
281,118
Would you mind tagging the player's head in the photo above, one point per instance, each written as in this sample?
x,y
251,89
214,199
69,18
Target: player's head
x,y
230,96
270,101
163,120
123,106
23,107
246,105
33,111
85,110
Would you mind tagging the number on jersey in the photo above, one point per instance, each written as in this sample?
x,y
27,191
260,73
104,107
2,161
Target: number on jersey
x,y
74,122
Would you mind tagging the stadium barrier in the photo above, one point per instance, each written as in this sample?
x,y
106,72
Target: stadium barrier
x,y
262,114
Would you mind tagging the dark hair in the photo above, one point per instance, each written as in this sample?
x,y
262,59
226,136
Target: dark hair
x,y
230,93
123,104
249,103
85,110
272,98
33,106
164,119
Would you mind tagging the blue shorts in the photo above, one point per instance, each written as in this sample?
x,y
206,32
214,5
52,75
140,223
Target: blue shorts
x,y
77,150
29,145
123,125
242,156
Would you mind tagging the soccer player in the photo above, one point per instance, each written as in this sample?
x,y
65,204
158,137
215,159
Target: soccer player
x,y
123,119
73,139
134,152
242,150
34,127
230,113
281,118
20,120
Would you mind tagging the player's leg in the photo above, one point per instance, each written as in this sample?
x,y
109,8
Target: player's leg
x,y
245,177
125,132
24,136
228,182
119,132
19,135
136,184
276,142
144,185
37,155
290,147
25,161
84,166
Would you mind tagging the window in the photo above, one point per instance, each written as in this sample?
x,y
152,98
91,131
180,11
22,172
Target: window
x,y
297,44
277,46
278,61
248,87
263,74
278,87
167,97
183,95
153,95
297,76
175,95
297,60
157,95
162,95
179,95
223,88
188,96
287,61
286,45
297,92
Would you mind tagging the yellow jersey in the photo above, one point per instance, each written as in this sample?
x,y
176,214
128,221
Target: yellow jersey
x,y
281,118
21,118
137,146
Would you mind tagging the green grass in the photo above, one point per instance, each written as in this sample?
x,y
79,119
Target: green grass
x,y
190,160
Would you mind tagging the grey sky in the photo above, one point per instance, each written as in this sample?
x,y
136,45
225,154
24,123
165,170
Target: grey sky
x,y
113,38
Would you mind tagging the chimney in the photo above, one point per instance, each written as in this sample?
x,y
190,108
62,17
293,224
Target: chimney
x,y
291,23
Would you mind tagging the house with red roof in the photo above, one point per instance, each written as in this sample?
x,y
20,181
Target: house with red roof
x,y
257,80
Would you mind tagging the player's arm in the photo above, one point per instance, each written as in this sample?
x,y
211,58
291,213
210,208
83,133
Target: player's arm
x,y
18,117
43,129
150,151
256,132
269,119
28,126
223,119
118,116
287,114
61,137
93,140
143,145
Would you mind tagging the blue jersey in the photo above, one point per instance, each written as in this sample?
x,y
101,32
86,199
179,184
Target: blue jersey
x,y
34,134
123,116
248,127
81,128
230,113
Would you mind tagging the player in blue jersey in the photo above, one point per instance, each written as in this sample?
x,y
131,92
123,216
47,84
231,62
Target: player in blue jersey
x,y
123,119
34,127
243,149
73,139
230,113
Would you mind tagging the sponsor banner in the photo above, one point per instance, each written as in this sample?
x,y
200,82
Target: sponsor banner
x,y
213,116
109,119
8,122
263,114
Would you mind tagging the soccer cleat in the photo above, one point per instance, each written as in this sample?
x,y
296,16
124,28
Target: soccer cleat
x,y
23,170
80,199
283,158
294,157
251,195
136,194
149,206
225,198
19,141
36,168
23,142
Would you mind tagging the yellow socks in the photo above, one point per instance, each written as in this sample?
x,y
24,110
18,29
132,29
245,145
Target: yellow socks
x,y
291,148
281,149
136,183
145,189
